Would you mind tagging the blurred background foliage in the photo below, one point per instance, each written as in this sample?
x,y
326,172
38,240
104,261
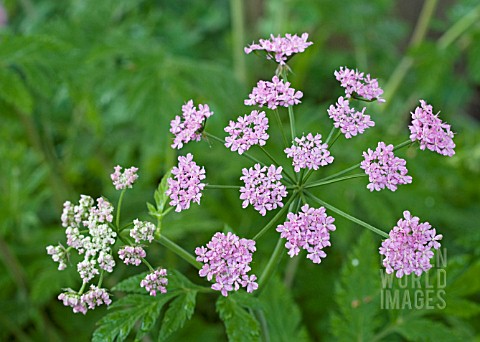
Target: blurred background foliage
x,y
86,85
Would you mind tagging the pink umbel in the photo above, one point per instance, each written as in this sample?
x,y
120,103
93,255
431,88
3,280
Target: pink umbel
x,y
227,259
384,169
273,94
409,247
155,282
357,84
430,131
123,180
247,131
188,127
308,230
349,120
309,152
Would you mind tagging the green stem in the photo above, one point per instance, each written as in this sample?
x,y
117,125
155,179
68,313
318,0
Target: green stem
x,y
172,246
215,186
335,180
271,264
238,29
287,175
245,154
330,135
279,121
335,139
347,216
291,115
458,28
275,218
406,63
403,144
119,209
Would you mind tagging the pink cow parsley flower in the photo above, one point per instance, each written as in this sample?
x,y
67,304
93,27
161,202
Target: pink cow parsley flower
x,y
273,94
155,281
263,188
430,131
384,169
309,152
189,126
348,119
409,247
309,230
185,186
247,131
72,299
355,82
59,254
132,255
95,297
227,259
142,231
281,48
123,180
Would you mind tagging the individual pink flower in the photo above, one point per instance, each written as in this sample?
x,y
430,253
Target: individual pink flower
x,y
123,180
263,188
356,83
189,126
430,131
185,186
281,48
309,230
273,94
348,119
247,131
155,281
309,153
227,259
384,169
132,255
409,246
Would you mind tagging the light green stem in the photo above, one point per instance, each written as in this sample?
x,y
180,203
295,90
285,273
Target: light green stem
x,y
335,180
119,209
347,216
238,29
271,264
215,186
287,175
458,28
245,154
330,135
172,246
275,218
280,125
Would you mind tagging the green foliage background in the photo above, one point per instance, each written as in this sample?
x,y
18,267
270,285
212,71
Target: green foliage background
x,y
86,85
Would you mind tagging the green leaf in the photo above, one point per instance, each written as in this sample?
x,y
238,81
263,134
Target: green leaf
x,y
118,324
357,293
14,92
179,311
423,329
161,199
240,324
131,285
283,316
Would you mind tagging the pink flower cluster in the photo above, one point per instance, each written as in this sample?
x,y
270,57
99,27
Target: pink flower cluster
x,y
310,230
81,303
409,247
123,180
384,169
155,281
273,94
186,185
132,255
189,126
227,258
142,231
263,188
309,152
247,131
430,131
281,48
58,254
355,82
348,119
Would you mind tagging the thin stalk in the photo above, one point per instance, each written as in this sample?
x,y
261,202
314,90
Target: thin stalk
x,y
335,139
216,186
406,62
279,121
330,135
275,218
172,246
238,30
119,209
459,28
245,154
271,264
347,216
276,164
335,180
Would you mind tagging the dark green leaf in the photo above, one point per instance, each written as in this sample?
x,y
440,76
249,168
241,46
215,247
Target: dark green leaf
x,y
179,311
